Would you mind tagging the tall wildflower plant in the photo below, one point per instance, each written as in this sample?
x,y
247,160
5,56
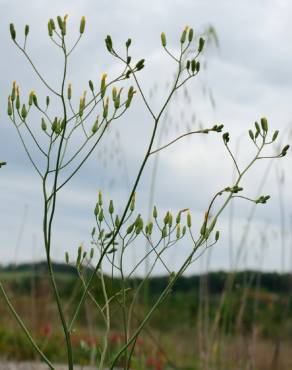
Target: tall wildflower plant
x,y
105,102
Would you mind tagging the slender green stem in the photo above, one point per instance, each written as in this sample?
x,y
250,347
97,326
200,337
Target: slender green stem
x,y
23,327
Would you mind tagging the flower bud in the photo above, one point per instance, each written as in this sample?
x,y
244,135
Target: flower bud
x,y
17,103
12,96
131,93
251,135
257,127
99,198
201,44
26,30
117,221
163,39
35,100
44,125
133,201
217,235
140,64
55,125
9,107
284,150
128,43
23,112
60,24
90,83
117,100
166,218
82,25
189,220
264,124
100,216
191,35
67,257
198,66
95,126
47,101
103,85
164,232
81,106
111,207
204,226
184,35
69,91
150,228
52,24
109,43
225,137
105,108
12,31
64,25
130,229
178,233
275,135
96,210
193,65
138,225
30,98
155,212
170,220
50,31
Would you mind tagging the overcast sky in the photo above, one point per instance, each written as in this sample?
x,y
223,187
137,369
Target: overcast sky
x,y
248,76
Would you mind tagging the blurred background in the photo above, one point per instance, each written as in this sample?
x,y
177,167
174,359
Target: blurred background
x,y
245,75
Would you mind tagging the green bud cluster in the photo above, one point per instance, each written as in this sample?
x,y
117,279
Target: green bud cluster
x,y
263,199
217,128
234,189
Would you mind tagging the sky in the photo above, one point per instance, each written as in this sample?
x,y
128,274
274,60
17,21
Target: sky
x,y
245,77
